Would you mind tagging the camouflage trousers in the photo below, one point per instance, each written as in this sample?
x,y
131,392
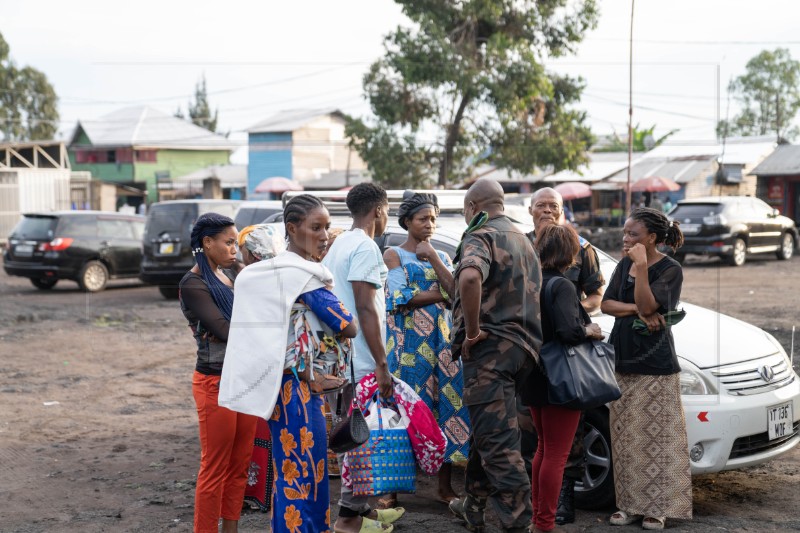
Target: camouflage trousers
x,y
495,470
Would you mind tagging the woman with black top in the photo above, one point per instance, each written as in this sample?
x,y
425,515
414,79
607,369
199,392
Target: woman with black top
x,y
564,319
226,437
648,429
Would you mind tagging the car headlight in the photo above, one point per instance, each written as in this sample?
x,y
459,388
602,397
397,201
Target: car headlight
x,y
692,382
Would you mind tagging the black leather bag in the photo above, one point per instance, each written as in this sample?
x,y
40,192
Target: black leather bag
x,y
579,377
352,431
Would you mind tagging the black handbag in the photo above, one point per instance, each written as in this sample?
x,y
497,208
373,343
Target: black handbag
x,y
352,431
579,377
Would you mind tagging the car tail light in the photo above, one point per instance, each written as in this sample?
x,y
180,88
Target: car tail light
x,y
717,244
56,245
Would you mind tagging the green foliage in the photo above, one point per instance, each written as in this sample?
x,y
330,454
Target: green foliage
x,y
200,110
769,95
641,139
467,86
28,102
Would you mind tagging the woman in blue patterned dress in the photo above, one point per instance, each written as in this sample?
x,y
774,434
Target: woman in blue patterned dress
x,y
418,290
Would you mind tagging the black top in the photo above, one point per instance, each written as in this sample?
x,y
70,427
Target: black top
x,y
585,273
209,327
645,354
563,320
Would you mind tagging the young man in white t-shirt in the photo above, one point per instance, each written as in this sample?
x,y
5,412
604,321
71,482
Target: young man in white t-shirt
x,y
360,274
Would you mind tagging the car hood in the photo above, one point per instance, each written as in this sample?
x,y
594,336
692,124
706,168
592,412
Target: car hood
x,y
709,339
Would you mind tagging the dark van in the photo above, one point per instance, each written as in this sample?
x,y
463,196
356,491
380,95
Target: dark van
x,y
256,212
89,247
167,254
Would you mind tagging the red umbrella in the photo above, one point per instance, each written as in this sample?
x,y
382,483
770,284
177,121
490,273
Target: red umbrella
x,y
572,190
655,184
277,185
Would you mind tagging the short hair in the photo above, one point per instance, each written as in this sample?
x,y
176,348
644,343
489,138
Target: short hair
x,y
557,246
298,208
666,230
365,197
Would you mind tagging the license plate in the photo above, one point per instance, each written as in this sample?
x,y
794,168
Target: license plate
x,y
779,420
166,248
23,250
690,228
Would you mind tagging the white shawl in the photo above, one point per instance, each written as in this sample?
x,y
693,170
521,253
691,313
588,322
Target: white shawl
x,y
264,293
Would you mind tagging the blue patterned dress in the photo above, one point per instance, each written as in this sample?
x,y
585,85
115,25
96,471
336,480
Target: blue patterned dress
x,y
418,349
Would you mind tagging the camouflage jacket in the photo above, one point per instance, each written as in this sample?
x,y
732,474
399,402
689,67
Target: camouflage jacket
x,y
512,280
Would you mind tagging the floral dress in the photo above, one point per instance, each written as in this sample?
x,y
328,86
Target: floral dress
x,y
418,349
301,499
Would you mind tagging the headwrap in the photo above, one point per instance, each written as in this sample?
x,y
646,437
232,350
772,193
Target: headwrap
x,y
413,202
264,241
208,225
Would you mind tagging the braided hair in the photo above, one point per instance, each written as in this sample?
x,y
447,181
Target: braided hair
x,y
298,208
666,230
208,225
365,197
413,202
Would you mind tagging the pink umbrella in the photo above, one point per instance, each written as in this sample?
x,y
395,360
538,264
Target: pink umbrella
x,y
655,184
277,185
572,190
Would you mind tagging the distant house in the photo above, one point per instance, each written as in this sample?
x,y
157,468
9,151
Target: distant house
x,y
142,147
779,180
301,145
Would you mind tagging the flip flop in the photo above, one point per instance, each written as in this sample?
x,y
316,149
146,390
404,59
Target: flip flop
x,y
621,518
390,516
371,526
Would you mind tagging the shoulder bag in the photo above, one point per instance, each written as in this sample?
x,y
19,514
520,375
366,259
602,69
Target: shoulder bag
x,y
352,431
579,377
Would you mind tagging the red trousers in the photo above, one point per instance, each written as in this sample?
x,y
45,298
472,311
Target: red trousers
x,y
226,443
555,427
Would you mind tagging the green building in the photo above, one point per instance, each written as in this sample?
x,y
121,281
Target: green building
x,y
144,148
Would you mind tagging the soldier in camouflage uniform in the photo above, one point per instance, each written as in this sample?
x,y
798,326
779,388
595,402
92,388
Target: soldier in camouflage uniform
x,y
547,208
497,332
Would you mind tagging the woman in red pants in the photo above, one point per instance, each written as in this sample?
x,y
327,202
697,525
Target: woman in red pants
x,y
563,318
226,437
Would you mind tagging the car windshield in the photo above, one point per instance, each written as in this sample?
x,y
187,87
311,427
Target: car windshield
x,y
169,218
35,227
696,210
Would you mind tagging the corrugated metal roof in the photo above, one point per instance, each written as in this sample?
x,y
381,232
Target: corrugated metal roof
x,y
742,151
290,120
146,127
784,161
228,175
678,170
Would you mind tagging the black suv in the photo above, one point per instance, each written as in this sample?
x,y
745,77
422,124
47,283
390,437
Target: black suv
x,y
167,253
89,247
256,212
733,226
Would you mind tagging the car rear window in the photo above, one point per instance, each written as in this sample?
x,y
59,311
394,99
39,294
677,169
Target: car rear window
x,y
77,227
35,228
170,218
696,210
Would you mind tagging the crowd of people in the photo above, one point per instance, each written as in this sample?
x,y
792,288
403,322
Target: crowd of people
x,y
464,332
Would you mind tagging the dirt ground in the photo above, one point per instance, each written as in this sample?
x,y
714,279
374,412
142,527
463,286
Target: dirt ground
x,y
98,427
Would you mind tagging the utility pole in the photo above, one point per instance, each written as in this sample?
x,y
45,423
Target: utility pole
x,y
630,117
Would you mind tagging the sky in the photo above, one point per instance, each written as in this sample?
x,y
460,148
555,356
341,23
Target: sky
x,y
261,57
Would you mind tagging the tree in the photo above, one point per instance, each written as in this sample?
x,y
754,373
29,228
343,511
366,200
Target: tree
x,y
28,102
769,94
467,86
643,140
200,110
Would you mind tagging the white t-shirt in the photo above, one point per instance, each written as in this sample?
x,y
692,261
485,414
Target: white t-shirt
x,y
355,257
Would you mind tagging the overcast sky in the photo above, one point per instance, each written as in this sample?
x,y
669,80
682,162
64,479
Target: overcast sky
x,y
260,57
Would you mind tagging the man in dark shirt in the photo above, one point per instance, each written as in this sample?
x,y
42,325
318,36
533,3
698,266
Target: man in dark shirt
x,y
547,208
497,332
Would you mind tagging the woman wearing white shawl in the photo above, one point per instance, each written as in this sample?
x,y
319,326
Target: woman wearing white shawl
x,y
268,377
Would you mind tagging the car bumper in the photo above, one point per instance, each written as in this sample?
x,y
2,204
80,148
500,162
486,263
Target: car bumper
x,y
38,270
714,245
721,422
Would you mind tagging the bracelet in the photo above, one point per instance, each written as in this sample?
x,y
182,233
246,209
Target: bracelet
x,y
473,338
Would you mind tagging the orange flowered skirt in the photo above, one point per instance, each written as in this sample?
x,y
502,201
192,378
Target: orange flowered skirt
x,y
300,496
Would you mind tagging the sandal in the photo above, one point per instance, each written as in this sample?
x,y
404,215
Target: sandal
x,y
390,516
387,502
653,522
326,384
369,525
621,518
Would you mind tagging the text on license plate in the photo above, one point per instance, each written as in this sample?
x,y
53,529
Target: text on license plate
x,y
23,249
780,420
166,248
690,228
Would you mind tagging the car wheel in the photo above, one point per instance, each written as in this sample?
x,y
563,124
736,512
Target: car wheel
x,y
787,247
170,293
596,490
93,276
44,284
739,253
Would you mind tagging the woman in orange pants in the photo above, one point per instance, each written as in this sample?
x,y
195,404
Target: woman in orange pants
x,y
226,437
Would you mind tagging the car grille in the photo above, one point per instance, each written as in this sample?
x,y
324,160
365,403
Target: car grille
x,y
754,444
744,379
